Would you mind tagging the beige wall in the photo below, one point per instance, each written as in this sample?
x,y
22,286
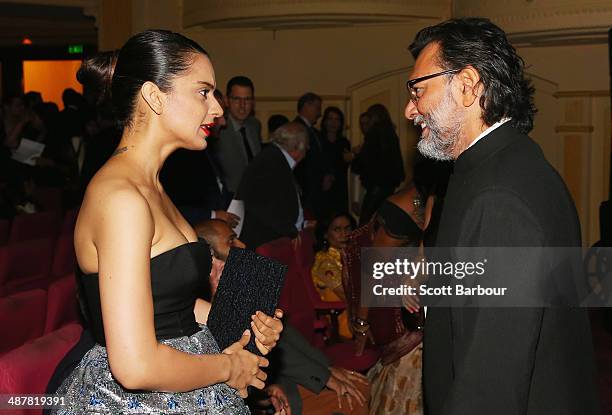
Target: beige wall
x,y
291,62
573,68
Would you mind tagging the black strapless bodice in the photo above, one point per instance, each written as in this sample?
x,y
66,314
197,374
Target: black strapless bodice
x,y
176,276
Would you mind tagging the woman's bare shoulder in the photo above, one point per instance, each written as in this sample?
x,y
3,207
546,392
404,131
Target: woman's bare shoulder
x,y
112,195
108,187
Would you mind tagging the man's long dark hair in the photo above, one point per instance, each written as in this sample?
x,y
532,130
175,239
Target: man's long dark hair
x,y
479,43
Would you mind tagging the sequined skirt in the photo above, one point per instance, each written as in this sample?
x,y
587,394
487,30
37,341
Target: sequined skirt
x,y
91,388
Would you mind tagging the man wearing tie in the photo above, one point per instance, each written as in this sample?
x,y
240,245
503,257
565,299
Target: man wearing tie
x,y
240,140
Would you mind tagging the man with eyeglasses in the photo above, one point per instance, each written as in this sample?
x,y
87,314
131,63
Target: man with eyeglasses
x,y
240,139
469,95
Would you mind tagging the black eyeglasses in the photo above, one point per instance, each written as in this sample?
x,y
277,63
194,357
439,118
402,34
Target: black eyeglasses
x,y
414,97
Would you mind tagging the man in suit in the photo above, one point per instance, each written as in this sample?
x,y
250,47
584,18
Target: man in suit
x,y
314,173
239,141
471,99
271,201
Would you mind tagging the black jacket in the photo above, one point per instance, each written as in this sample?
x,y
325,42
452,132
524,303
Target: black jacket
x,y
533,361
270,199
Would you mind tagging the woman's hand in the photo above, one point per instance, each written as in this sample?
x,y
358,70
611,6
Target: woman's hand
x,y
245,366
267,330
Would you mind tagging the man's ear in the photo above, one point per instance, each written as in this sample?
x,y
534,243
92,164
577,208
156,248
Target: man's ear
x,y
153,96
470,84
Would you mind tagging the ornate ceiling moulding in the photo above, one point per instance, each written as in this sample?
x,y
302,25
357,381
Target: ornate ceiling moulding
x,y
567,37
299,14
533,21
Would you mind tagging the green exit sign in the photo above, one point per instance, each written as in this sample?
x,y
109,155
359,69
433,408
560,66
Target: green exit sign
x,y
75,49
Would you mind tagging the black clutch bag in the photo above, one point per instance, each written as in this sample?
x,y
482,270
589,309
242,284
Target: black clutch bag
x,y
249,283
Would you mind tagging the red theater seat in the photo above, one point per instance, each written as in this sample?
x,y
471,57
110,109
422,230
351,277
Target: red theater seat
x,y
63,258
29,368
34,226
49,198
22,318
69,221
62,305
5,229
305,257
27,265
293,300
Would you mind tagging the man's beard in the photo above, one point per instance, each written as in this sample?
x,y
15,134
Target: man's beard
x,y
444,123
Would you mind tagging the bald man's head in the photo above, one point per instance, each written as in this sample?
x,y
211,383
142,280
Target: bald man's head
x,y
219,236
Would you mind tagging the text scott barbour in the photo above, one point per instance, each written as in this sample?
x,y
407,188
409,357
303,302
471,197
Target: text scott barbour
x,y
446,290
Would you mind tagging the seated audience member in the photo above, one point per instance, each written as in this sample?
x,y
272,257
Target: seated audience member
x,y
271,201
221,237
16,118
296,362
332,235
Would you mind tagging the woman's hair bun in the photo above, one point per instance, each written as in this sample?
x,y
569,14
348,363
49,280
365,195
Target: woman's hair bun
x,y
96,75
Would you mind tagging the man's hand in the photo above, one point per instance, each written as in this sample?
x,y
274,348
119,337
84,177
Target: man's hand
x,y
231,219
279,400
343,382
267,330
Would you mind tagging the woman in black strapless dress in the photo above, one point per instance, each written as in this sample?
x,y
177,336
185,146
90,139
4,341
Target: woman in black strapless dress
x,y
140,263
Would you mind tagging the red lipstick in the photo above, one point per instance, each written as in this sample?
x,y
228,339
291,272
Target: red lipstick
x,y
207,128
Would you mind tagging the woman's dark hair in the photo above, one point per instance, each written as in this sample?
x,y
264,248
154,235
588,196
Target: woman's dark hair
x,y
96,74
323,226
328,110
430,176
157,56
479,43
378,113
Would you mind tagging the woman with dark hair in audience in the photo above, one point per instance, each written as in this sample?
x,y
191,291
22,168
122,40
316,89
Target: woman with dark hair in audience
x,y
378,162
406,219
336,148
139,261
332,234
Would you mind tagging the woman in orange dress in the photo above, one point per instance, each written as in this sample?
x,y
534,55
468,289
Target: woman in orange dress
x,y
332,235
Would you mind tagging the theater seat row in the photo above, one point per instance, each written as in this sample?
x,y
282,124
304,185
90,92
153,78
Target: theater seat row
x,y
38,225
35,263
28,315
